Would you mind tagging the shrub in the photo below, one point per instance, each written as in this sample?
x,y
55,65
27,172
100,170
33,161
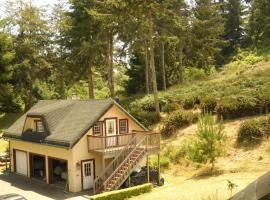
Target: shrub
x,y
239,106
147,103
171,106
177,120
252,131
146,118
208,104
210,141
123,193
190,101
192,73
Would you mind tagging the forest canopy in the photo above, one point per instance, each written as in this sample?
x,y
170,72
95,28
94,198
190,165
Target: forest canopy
x,y
116,48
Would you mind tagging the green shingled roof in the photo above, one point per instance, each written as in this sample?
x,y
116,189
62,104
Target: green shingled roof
x,y
65,120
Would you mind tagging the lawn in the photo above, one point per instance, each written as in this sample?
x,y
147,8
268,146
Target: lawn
x,y
6,119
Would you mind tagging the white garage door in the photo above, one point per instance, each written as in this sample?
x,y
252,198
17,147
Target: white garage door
x,y
21,163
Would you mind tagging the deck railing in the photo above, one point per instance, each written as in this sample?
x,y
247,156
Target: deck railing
x,y
107,142
149,142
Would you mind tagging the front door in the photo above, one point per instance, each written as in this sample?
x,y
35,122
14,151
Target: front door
x,y
88,174
111,132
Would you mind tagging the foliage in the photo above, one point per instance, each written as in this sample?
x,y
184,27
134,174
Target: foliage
x,y
146,118
177,120
253,131
193,73
208,103
237,106
210,141
123,193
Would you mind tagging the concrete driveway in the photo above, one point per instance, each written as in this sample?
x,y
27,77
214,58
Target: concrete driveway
x,y
34,189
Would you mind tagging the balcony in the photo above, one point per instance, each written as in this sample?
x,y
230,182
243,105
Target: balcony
x,y
112,144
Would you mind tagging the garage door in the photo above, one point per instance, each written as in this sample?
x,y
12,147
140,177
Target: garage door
x,y
21,162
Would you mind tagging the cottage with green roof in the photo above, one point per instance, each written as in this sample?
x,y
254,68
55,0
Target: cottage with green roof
x,y
79,145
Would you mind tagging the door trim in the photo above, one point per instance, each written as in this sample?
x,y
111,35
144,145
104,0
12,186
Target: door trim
x,y
94,167
15,164
116,125
50,170
31,163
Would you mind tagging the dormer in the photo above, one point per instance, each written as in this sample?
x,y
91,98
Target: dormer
x,y
34,129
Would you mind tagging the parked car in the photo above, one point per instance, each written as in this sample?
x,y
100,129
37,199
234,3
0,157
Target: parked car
x,y
12,197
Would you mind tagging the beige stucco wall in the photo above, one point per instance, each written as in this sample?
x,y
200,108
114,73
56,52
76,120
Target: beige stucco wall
x,y
48,151
29,123
78,153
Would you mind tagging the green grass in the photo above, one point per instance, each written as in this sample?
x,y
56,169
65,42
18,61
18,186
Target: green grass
x,y
6,119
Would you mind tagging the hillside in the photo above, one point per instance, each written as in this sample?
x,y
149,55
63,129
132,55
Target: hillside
x,y
236,94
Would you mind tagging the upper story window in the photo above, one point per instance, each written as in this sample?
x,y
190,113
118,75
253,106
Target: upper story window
x,y
123,125
97,129
39,126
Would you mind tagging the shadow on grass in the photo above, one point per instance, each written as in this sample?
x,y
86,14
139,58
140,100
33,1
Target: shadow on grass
x,y
207,172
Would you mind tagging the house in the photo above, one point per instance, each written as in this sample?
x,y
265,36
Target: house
x,y
79,144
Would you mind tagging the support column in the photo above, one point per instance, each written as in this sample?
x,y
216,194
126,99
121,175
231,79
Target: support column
x,y
147,163
129,181
158,169
103,162
48,171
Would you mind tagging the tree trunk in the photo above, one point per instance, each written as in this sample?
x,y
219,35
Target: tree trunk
x,y
147,71
163,67
90,84
152,63
181,67
110,65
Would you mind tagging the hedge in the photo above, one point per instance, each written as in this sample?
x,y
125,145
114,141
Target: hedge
x,y
123,193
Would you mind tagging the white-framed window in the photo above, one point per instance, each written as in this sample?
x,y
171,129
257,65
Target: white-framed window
x,y
97,129
39,126
123,126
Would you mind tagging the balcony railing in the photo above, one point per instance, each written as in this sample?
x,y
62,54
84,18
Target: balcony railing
x,y
107,142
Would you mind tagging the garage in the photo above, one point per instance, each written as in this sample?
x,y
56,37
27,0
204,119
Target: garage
x,y
37,166
58,174
20,162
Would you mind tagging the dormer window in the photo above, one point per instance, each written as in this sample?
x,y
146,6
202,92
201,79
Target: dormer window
x,y
39,126
97,129
123,125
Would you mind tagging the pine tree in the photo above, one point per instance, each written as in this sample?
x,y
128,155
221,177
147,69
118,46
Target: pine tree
x,y
31,44
259,21
7,55
233,24
208,28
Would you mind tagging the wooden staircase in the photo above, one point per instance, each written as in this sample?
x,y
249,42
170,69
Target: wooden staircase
x,y
123,165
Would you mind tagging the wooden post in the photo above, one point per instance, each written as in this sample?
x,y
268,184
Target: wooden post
x,y
147,160
129,181
158,169
103,162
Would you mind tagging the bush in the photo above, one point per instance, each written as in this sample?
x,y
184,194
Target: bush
x,y
239,106
208,104
171,106
164,162
177,120
123,193
147,104
253,131
146,118
192,73
190,101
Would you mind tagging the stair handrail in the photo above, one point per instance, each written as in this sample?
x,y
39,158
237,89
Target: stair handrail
x,y
127,157
103,176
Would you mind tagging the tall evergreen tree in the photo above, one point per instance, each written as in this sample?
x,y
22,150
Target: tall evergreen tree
x,y
7,55
31,43
234,12
208,28
259,21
